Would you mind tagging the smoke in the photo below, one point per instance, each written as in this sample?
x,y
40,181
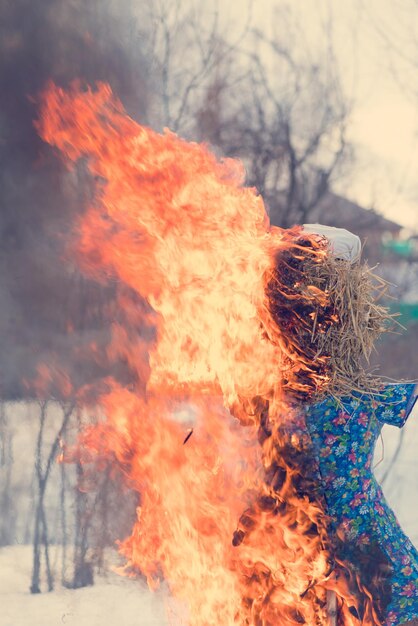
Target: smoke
x,y
49,313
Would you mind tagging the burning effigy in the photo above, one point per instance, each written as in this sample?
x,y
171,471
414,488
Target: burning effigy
x,y
251,442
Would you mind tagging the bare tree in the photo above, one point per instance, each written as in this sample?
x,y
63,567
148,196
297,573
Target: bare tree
x,y
43,464
63,497
184,44
7,506
285,117
83,569
274,102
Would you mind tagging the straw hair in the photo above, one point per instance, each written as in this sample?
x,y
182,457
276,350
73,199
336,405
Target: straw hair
x,y
324,314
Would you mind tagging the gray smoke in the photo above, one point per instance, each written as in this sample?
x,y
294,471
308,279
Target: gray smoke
x,y
49,313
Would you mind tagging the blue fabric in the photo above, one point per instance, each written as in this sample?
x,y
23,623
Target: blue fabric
x,y
344,435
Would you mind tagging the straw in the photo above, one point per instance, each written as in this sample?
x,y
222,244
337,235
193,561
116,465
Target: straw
x,y
325,316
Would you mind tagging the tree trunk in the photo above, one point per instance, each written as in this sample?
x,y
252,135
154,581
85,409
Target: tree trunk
x,y
49,577
36,569
63,524
8,517
42,474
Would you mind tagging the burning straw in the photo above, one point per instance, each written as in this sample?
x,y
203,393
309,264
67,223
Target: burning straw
x,y
324,313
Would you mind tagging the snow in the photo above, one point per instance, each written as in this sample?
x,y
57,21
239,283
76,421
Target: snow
x,y
401,487
112,601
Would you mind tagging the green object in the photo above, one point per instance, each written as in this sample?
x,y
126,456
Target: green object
x,y
401,247
408,311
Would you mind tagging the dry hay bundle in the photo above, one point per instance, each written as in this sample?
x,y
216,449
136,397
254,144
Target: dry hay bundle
x,y
325,315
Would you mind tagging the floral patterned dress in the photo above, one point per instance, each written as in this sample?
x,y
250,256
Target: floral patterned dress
x,y
344,436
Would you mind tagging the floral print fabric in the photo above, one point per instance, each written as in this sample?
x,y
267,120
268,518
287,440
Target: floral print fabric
x,y
344,434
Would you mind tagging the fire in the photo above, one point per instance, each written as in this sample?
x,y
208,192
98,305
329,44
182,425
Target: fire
x,y
178,227
229,524
191,496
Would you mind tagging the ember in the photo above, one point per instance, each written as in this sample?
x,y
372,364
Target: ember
x,y
232,522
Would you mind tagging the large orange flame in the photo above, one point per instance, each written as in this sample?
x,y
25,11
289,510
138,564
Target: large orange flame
x,y
220,518
176,225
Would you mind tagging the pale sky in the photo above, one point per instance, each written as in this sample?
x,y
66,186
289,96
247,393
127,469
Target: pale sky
x,y
376,46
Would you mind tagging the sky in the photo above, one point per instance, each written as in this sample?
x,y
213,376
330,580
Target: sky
x,y
376,46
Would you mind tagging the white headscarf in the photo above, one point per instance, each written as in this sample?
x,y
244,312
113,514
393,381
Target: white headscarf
x,y
342,243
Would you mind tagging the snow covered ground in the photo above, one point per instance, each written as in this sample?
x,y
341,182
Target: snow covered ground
x,y
112,601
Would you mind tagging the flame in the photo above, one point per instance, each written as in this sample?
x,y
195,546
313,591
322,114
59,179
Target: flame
x,y
229,524
177,226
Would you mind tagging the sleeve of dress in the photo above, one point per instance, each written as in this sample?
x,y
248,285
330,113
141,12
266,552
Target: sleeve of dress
x,y
394,405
